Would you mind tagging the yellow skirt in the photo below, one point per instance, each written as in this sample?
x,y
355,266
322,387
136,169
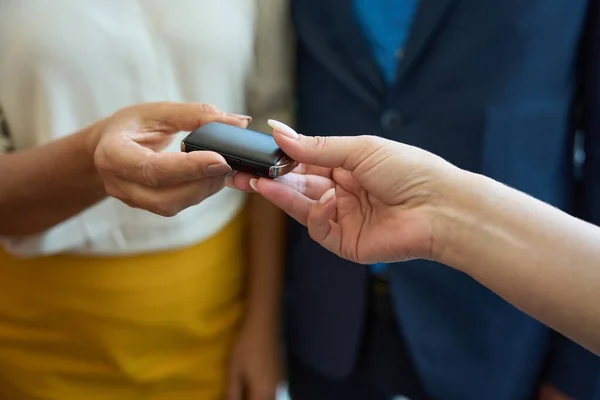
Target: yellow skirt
x,y
149,327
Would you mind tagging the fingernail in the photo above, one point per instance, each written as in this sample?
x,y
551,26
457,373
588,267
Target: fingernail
x,y
240,116
217,169
253,184
327,196
230,173
283,128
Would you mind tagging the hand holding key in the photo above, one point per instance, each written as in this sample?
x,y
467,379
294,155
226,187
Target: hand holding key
x,y
364,198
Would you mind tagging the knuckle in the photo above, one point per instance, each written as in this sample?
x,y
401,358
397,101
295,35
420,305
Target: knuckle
x,y
208,108
101,160
131,109
165,210
147,172
135,201
368,147
319,142
370,141
130,115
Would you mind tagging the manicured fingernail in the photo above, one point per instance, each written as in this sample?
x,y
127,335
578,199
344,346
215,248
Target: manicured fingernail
x,y
240,116
283,128
253,184
217,169
327,196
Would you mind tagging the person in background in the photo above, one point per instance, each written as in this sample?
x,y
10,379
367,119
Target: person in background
x,y
493,88
113,301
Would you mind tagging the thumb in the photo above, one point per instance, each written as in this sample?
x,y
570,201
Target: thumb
x,y
326,151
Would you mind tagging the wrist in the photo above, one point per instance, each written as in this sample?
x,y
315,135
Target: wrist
x,y
267,329
262,317
88,140
262,313
92,136
458,213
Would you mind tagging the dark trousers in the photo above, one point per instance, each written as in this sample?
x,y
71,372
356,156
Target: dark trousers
x,y
384,369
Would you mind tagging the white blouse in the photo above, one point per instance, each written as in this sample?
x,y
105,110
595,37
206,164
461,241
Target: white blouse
x,y
67,63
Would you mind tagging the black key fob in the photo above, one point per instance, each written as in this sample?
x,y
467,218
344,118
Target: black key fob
x,y
245,150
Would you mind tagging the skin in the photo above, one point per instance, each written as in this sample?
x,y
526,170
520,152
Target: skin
x,y
256,365
535,256
118,157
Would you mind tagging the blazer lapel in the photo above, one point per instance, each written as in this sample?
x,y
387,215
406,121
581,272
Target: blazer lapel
x,y
331,33
357,51
428,21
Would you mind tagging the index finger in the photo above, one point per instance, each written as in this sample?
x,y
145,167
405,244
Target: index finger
x,y
175,117
291,201
311,185
313,170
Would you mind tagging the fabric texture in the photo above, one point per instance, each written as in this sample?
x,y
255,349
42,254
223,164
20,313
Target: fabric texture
x,y
147,327
473,87
119,303
66,64
386,24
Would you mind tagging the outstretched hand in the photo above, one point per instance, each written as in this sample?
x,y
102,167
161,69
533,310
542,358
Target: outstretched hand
x,y
365,198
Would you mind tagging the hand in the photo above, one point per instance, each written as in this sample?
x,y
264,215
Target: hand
x,y
549,392
256,366
364,198
126,154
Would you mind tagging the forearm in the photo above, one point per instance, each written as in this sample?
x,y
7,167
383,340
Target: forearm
x,y
540,259
42,187
266,252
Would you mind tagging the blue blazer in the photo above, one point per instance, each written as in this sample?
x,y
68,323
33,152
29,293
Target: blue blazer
x,y
490,86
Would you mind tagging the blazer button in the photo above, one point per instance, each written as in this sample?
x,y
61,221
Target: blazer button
x,y
391,120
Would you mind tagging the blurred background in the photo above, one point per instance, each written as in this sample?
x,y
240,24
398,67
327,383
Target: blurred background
x,y
231,297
